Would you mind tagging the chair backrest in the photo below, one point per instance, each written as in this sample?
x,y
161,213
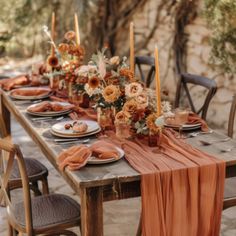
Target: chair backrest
x,y
231,117
14,152
184,80
141,61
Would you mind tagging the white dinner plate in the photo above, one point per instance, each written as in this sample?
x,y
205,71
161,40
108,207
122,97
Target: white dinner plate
x,y
21,97
185,126
77,135
60,127
96,161
49,113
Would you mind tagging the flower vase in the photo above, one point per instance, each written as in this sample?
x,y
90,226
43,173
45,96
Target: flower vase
x,y
154,138
123,130
105,117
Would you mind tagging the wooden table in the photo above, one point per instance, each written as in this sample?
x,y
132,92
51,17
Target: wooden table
x,y
95,184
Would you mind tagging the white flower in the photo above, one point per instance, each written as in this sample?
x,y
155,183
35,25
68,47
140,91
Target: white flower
x,y
90,91
85,70
166,106
133,89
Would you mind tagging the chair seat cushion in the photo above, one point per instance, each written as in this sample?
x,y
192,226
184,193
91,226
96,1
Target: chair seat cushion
x,y
49,210
33,169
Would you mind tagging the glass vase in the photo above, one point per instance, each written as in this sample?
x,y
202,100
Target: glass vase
x,y
105,117
123,130
154,138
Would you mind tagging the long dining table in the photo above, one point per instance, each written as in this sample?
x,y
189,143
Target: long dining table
x,y
96,184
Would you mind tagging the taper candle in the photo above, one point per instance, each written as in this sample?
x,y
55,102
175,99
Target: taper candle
x,y
131,42
77,29
158,86
53,34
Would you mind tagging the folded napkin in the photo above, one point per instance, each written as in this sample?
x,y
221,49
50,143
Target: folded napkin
x,y
79,112
48,106
10,83
193,118
77,156
31,92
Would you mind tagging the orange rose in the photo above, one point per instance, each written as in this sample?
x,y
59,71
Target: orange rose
x,y
63,47
121,117
130,107
111,93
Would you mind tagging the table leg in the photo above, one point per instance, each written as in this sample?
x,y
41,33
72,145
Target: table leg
x,y
5,119
92,211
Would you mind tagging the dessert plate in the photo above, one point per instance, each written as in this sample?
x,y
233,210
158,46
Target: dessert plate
x,y
59,128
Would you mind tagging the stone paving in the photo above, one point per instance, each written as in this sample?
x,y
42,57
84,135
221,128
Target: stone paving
x,y
120,217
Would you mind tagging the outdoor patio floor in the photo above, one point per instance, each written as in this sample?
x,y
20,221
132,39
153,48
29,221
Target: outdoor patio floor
x,y
120,217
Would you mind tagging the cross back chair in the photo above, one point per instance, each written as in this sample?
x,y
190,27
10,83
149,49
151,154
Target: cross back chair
x,y
50,214
141,61
230,194
184,80
36,171
232,117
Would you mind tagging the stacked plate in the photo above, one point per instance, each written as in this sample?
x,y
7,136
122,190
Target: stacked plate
x,y
185,126
60,131
45,92
49,113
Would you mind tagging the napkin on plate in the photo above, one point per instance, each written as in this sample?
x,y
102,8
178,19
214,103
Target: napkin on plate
x,y
193,118
10,83
48,106
77,156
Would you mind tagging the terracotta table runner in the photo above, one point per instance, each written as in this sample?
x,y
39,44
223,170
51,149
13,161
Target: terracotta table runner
x,y
181,187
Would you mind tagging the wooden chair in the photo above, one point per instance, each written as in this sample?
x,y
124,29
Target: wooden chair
x,y
36,171
184,80
230,193
140,61
50,214
231,117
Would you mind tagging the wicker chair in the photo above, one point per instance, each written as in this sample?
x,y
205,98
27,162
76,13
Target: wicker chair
x,y
184,80
148,61
50,214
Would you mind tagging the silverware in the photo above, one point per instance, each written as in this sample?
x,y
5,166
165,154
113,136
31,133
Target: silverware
x,y
210,142
75,141
194,134
65,139
227,149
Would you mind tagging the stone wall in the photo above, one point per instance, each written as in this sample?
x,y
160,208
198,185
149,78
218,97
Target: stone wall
x,y
198,55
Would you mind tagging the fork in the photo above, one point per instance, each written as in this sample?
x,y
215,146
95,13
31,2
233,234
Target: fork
x,y
75,141
47,118
206,143
194,134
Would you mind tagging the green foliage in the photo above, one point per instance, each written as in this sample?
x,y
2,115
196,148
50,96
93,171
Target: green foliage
x,y
221,16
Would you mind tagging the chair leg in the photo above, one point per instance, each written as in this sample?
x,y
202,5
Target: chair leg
x,y
35,188
139,230
10,230
45,189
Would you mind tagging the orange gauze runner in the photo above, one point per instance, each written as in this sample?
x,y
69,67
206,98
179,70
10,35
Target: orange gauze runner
x,y
181,187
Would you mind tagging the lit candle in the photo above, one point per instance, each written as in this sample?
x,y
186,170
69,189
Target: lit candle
x,y
53,34
158,86
131,42
77,29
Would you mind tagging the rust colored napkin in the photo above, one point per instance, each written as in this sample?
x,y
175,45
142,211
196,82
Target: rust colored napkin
x,y
181,187
10,83
79,112
33,92
194,119
77,156
48,106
